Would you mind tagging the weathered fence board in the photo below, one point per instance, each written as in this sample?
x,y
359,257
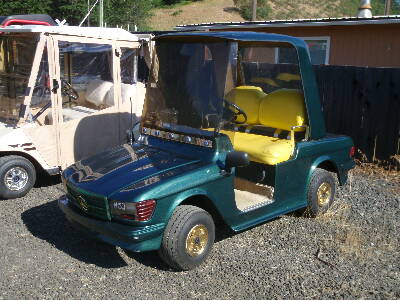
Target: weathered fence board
x,y
363,103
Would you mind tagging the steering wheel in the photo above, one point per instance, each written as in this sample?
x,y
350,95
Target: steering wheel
x,y
68,90
237,112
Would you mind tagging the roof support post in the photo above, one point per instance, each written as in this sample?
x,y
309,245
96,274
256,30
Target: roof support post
x,y
101,14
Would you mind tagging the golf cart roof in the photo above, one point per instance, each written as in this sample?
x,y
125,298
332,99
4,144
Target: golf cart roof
x,y
118,34
244,36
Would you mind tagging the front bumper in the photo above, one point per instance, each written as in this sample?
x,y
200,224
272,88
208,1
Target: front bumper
x,y
137,239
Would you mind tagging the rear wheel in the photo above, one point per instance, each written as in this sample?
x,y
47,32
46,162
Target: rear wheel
x,y
321,192
188,238
17,176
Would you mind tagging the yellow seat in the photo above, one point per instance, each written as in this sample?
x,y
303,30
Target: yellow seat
x,y
263,149
247,98
282,110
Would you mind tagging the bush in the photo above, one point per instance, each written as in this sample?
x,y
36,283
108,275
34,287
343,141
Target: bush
x,y
246,9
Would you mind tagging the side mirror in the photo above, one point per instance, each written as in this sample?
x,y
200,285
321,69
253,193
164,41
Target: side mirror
x,y
236,159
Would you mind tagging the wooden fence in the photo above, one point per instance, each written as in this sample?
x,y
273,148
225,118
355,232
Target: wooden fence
x,y
363,103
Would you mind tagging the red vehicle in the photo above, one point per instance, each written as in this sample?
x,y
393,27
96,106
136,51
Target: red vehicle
x,y
27,20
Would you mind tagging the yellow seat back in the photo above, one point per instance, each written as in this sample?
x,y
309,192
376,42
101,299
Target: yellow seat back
x,y
283,109
247,98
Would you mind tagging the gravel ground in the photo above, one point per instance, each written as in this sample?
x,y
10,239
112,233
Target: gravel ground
x,y
350,253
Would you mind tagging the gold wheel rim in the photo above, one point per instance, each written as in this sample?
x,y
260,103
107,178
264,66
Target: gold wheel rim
x,y
197,240
324,194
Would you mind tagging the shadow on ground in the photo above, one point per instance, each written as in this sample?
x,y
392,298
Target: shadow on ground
x,y
48,223
231,9
45,180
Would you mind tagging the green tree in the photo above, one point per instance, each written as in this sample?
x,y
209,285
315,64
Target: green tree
x,y
116,12
19,7
73,11
124,12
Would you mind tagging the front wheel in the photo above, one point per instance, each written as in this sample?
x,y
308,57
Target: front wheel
x,y
188,238
17,176
321,192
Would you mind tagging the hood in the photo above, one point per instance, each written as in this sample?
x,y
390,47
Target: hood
x,y
5,129
126,166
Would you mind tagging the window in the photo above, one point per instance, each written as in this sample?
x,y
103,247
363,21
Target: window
x,y
269,67
128,63
16,58
86,78
40,106
318,49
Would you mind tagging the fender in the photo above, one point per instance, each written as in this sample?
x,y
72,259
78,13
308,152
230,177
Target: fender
x,y
33,160
181,197
327,158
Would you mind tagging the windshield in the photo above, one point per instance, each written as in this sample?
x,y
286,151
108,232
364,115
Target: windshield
x,y
16,57
210,87
187,84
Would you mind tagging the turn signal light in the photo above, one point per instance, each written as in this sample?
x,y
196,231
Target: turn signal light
x,y
145,209
352,151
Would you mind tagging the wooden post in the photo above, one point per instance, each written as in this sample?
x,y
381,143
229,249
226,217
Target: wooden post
x,y
388,5
254,14
88,11
101,14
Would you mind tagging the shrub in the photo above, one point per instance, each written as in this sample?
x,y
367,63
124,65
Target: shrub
x,y
245,9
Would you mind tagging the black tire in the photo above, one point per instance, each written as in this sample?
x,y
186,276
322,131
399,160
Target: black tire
x,y
187,219
21,166
321,192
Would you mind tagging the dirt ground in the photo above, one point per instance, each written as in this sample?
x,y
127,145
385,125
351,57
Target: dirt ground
x,y
353,252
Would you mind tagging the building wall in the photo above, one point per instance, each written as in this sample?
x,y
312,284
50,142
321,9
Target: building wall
x,y
355,45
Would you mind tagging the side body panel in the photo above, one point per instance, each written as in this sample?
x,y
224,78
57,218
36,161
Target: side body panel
x,y
17,141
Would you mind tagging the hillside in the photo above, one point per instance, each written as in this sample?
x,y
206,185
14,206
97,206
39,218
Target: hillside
x,y
225,11
196,12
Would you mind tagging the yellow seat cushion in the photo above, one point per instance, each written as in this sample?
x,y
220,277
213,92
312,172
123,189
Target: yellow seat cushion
x,y
288,77
247,98
283,109
262,149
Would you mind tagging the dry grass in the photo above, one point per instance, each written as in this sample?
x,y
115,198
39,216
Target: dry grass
x,y
384,170
349,235
196,12
224,11
288,9
353,241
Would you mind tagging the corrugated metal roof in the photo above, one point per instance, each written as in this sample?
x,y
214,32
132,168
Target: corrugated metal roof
x,y
393,19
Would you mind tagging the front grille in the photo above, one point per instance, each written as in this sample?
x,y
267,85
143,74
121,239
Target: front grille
x,y
89,203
